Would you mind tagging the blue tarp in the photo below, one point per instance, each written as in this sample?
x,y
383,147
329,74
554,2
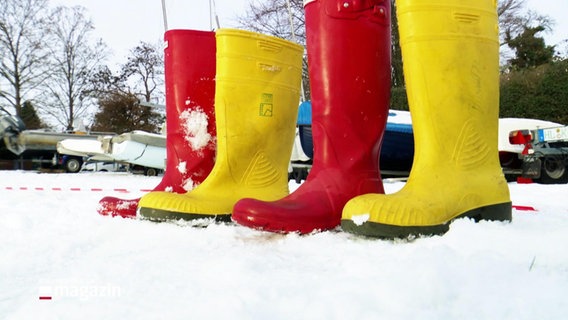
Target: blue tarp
x,y
399,127
305,114
305,119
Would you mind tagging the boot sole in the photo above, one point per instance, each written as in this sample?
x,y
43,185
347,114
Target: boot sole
x,y
496,212
158,215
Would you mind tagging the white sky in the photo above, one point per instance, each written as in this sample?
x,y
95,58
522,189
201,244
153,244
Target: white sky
x,y
122,24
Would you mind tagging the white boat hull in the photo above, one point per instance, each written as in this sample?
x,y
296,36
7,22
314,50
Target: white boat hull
x,y
137,147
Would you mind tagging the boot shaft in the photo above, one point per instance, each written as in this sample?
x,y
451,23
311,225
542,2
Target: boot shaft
x,y
349,48
257,97
189,66
189,63
451,66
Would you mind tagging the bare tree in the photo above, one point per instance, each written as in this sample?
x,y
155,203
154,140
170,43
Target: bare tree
x,y
514,19
23,54
105,81
145,66
510,16
119,93
74,57
273,17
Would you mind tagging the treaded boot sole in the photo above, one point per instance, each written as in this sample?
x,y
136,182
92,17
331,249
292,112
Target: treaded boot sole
x,y
496,212
158,215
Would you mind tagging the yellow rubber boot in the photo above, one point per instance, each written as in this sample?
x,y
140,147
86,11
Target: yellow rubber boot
x,y
450,53
256,104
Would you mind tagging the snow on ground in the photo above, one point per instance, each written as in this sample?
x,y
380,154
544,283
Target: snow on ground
x,y
53,243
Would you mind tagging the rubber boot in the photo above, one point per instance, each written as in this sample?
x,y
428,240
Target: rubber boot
x,y
189,63
256,104
450,51
348,46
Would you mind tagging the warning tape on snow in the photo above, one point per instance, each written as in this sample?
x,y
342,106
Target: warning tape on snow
x,y
121,190
524,208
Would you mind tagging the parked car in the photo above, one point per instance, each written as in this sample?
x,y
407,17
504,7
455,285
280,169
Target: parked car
x,y
103,166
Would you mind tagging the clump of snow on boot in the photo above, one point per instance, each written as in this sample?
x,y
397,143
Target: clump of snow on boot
x,y
194,123
182,167
188,184
360,219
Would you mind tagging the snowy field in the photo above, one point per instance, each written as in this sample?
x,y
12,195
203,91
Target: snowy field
x,y
54,244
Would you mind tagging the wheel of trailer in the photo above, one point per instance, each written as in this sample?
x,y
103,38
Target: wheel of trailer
x,y
151,172
554,171
73,165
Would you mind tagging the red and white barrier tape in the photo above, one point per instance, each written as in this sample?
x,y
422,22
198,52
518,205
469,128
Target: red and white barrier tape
x,y
122,190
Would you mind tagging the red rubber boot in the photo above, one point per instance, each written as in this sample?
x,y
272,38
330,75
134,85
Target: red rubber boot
x,y
348,46
189,61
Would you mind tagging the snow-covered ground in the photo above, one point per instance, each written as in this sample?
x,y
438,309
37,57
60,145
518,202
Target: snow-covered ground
x,y
54,244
